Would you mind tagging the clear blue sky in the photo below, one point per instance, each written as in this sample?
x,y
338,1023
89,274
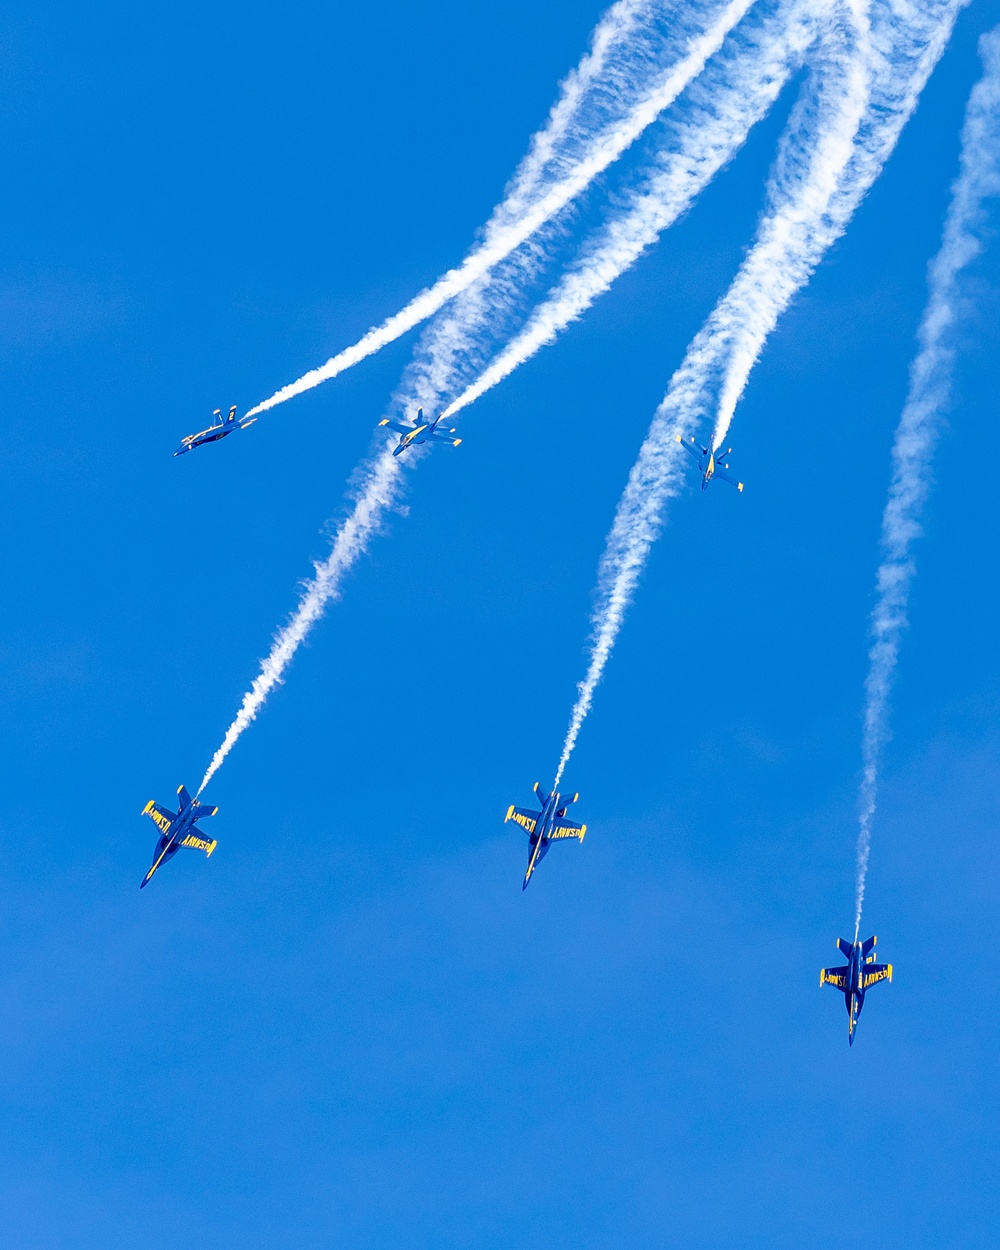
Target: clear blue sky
x,y
350,1028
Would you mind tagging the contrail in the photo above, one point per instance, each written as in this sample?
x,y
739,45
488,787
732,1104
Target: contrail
x,y
833,149
612,71
732,96
919,426
379,490
381,476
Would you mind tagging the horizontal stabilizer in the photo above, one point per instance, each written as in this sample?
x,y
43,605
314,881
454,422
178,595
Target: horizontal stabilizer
x,y
837,977
543,798
183,797
205,811
868,945
845,947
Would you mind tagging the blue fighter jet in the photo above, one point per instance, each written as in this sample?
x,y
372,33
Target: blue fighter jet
x,y
710,462
218,429
419,431
855,977
177,829
545,826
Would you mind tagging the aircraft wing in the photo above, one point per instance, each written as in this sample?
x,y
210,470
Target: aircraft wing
x,y
566,829
199,843
875,972
521,816
690,445
398,426
162,817
726,478
837,977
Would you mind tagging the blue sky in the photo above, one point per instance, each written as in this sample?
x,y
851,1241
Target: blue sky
x,y
350,1028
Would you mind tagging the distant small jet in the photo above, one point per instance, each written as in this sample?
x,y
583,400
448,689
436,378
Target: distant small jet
x,y
545,826
177,829
709,462
420,431
854,978
217,430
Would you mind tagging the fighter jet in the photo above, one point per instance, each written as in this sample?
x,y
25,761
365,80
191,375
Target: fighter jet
x,y
710,462
218,429
177,829
420,431
855,977
545,826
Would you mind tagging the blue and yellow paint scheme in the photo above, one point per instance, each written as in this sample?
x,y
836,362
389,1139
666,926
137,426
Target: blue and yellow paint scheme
x,y
544,827
711,462
177,829
419,431
855,977
218,429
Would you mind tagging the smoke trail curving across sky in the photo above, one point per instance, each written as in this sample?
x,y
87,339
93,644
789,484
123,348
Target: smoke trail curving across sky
x,y
381,476
919,425
869,77
719,111
570,152
378,490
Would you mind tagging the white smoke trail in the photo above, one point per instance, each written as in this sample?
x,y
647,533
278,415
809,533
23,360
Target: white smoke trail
x,y
869,86
732,96
382,477
536,196
919,426
379,491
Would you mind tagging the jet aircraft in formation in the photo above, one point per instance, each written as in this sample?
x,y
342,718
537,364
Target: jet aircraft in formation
x,y
218,429
710,462
177,829
546,826
419,431
543,827
855,977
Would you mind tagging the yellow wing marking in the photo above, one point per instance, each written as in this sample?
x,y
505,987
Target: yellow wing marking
x,y
162,823
520,819
201,844
568,831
